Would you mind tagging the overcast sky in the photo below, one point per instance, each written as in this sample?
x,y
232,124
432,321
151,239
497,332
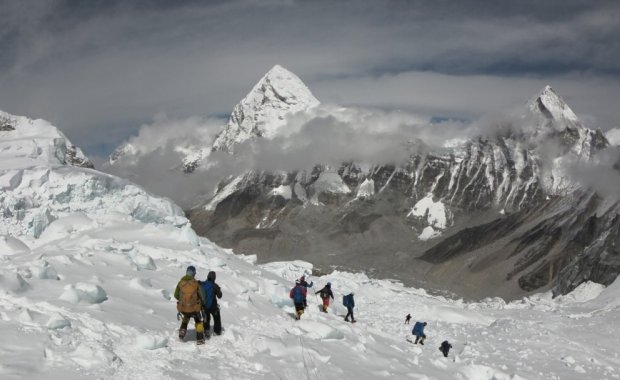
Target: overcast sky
x,y
100,69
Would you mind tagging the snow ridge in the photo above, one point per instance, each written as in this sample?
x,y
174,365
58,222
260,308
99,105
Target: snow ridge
x,y
37,141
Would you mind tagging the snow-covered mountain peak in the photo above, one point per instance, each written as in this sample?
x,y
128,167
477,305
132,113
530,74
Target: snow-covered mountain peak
x,y
37,141
263,111
282,84
124,150
552,106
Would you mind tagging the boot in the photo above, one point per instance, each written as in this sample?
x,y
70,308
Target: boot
x,y
200,333
182,333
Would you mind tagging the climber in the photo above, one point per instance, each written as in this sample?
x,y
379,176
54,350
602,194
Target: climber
x,y
298,295
210,307
325,293
190,298
349,303
418,331
445,348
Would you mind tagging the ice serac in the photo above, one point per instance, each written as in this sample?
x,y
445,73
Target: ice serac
x,y
264,110
44,177
38,140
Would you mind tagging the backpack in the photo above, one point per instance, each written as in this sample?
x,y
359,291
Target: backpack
x,y
298,296
345,301
209,294
189,301
418,328
323,294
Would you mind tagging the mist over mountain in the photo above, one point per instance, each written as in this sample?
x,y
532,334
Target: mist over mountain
x,y
511,213
89,267
288,177
445,170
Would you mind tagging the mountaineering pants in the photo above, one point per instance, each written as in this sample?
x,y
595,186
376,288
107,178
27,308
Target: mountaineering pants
x,y
197,321
299,308
325,303
349,312
217,320
421,338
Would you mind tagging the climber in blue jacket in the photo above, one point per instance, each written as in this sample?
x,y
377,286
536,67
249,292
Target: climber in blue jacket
x,y
418,331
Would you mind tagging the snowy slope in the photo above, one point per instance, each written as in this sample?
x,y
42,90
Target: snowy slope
x,y
96,303
89,296
34,140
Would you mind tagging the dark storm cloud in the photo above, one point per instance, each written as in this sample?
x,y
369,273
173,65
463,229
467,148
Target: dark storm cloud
x,y
100,69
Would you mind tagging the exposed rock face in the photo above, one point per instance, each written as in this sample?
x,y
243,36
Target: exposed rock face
x,y
75,157
558,245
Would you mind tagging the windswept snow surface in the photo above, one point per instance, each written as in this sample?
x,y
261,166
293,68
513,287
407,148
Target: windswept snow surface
x,y
103,315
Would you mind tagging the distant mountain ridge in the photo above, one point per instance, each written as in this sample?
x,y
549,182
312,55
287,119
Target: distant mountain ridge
x,y
389,218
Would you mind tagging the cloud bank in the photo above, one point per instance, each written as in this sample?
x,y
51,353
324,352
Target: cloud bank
x,y
330,135
99,70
